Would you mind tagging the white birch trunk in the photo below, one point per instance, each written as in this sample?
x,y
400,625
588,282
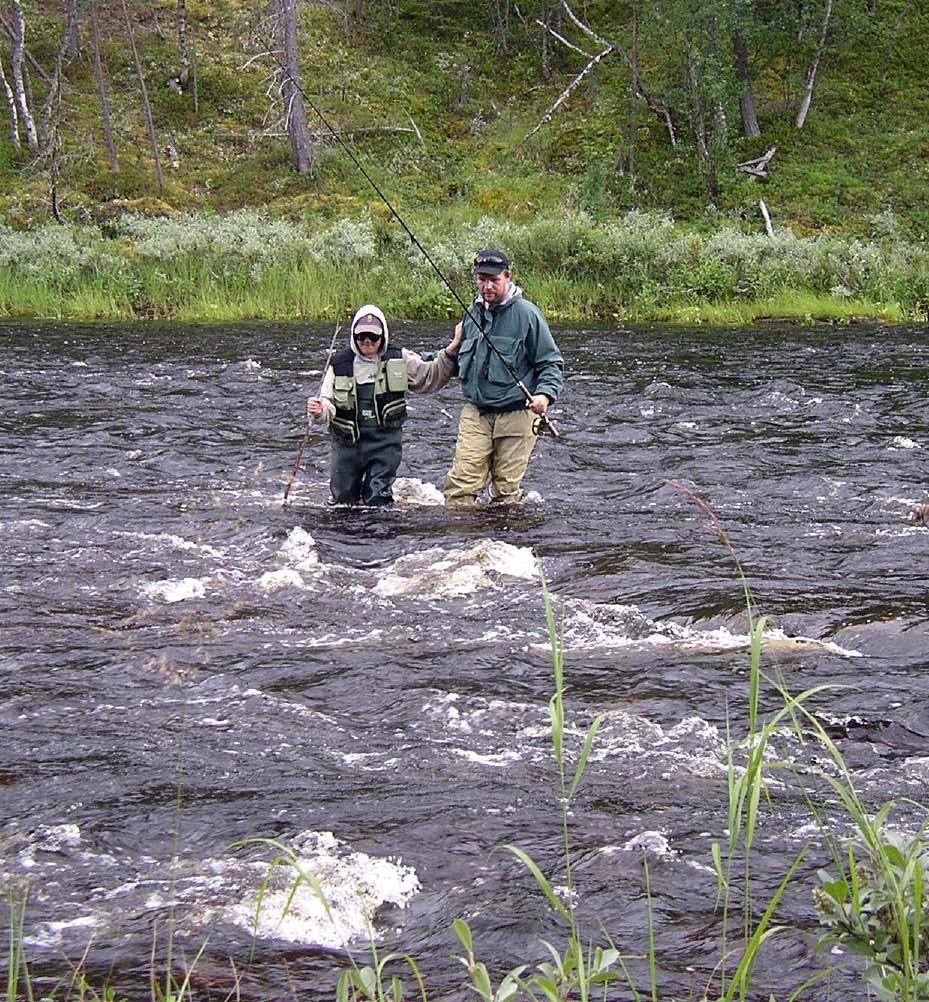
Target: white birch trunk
x,y
183,59
11,102
19,87
810,82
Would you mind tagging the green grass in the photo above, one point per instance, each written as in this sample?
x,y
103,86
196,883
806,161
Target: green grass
x,y
637,267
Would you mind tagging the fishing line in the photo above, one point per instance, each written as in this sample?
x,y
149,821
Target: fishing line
x,y
309,419
545,423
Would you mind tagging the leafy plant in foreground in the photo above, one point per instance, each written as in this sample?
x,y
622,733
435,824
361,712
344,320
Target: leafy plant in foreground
x,y
878,908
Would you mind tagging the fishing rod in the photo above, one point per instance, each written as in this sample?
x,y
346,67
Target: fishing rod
x,y
545,423
309,418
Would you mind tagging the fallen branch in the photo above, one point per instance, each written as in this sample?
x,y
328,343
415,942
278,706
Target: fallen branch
x,y
769,229
638,86
759,166
566,93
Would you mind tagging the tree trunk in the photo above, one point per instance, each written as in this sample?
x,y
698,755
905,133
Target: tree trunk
x,y
193,77
301,145
807,99
101,89
54,88
705,137
500,16
19,87
625,160
750,125
545,16
146,107
183,59
53,141
73,47
11,102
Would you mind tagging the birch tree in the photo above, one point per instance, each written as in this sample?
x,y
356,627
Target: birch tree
x,y
183,56
11,105
17,53
806,98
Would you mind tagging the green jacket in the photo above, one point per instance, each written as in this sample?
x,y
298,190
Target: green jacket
x,y
521,335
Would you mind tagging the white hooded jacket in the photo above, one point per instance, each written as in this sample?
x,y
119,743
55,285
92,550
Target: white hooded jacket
x,y
424,377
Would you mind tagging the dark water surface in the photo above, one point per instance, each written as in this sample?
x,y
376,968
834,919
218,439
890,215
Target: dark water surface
x,y
371,687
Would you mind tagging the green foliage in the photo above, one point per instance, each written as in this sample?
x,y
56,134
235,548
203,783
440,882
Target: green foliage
x,y
152,262
475,83
877,906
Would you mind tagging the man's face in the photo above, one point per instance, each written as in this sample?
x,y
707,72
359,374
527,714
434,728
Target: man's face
x,y
369,343
492,287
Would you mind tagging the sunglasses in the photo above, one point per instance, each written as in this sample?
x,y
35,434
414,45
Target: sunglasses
x,y
368,336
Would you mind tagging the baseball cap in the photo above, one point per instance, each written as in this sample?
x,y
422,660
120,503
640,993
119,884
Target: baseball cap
x,y
491,262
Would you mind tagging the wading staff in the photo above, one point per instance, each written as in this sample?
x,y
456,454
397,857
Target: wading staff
x,y
545,422
309,418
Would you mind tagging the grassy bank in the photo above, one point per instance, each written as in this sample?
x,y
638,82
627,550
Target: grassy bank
x,y
638,267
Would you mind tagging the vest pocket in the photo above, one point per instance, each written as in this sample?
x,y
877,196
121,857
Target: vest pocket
x,y
343,393
500,369
393,414
397,377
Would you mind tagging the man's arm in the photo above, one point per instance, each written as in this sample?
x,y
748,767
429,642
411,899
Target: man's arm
x,y
546,360
323,406
427,377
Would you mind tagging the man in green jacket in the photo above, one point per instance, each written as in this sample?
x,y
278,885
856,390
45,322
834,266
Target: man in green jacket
x,y
497,428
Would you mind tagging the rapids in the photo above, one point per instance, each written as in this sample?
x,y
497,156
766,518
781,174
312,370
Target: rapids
x,y
189,665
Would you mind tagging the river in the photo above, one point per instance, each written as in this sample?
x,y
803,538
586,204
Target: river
x,y
187,663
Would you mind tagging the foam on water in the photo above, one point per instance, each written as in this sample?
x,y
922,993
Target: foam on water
x,y
410,491
438,572
299,549
589,626
169,540
692,745
217,889
917,769
654,843
351,887
497,733
286,577
51,934
176,590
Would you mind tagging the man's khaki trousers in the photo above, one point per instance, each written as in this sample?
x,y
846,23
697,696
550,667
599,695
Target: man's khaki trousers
x,y
490,445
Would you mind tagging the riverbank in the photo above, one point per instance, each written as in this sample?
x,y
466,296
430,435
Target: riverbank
x,y
640,267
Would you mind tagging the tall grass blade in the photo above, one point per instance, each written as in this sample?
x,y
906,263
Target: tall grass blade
x,y
545,886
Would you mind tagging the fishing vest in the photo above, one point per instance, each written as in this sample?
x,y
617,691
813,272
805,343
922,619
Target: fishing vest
x,y
390,385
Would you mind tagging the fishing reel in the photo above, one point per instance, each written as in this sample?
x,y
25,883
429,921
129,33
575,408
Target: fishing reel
x,y
541,424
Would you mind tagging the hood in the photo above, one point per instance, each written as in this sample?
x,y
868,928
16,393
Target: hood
x,y
359,313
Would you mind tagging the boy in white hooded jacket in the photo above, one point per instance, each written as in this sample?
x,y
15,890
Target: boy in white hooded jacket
x,y
362,400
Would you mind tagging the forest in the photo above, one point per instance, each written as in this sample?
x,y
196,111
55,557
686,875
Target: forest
x,y
773,155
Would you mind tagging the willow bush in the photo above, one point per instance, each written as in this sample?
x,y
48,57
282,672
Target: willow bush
x,y
638,266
